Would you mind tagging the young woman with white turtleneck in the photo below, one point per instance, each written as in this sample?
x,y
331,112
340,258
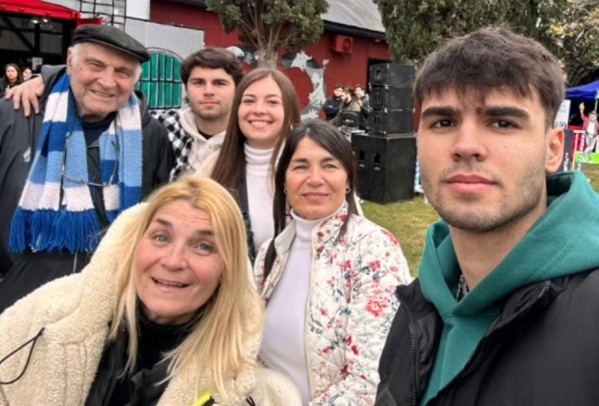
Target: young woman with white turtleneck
x,y
328,275
264,110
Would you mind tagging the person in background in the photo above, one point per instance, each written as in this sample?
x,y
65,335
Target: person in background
x,y
27,73
12,77
210,77
328,276
151,320
591,131
331,106
264,110
505,308
67,174
364,101
349,103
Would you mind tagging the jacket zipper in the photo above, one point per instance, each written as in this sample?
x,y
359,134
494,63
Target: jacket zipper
x,y
414,366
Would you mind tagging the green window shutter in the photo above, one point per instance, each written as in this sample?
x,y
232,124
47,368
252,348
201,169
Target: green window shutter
x,y
160,82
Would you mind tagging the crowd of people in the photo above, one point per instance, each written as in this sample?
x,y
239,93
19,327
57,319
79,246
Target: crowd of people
x,y
216,254
14,76
346,99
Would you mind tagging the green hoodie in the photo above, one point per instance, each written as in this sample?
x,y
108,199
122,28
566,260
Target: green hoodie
x,y
564,241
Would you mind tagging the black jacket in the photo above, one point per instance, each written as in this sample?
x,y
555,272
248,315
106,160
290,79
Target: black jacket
x,y
331,107
19,137
543,349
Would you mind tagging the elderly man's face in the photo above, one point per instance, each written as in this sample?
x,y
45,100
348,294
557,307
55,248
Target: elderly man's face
x,y
102,79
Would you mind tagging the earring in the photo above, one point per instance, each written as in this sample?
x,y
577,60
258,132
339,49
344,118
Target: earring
x,y
347,190
285,190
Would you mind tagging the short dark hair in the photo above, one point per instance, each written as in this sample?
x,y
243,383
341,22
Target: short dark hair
x,y
339,86
492,58
212,58
359,86
328,137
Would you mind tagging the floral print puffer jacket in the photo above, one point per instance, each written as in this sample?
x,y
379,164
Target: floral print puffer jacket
x,y
351,304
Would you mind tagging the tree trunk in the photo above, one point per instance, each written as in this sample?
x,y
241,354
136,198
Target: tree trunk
x,y
267,58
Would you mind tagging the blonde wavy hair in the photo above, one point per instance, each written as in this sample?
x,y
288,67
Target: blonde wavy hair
x,y
216,342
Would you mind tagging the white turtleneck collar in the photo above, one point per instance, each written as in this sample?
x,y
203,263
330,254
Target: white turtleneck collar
x,y
257,157
303,229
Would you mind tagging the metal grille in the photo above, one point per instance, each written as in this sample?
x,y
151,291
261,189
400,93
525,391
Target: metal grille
x,y
111,11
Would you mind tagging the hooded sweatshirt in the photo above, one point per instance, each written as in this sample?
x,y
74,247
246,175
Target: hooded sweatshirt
x,y
202,147
553,247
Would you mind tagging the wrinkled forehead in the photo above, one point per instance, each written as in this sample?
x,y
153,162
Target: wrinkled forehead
x,y
107,54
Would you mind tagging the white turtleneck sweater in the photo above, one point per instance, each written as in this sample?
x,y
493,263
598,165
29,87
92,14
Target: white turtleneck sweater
x,y
283,343
260,193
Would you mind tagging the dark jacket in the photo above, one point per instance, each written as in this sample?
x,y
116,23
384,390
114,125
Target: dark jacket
x,y
331,107
541,350
525,335
365,110
19,137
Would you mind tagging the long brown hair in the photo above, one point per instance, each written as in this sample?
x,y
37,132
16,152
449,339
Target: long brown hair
x,y
230,167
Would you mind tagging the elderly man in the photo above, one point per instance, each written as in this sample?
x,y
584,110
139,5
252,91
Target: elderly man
x,y
210,77
505,308
67,174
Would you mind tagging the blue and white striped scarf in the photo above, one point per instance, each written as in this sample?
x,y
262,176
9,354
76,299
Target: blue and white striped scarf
x,y
56,210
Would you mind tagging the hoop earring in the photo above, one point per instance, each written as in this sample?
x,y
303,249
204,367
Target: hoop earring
x,y
285,190
347,190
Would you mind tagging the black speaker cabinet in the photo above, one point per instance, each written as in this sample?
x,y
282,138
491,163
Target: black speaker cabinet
x,y
392,75
386,167
391,98
386,122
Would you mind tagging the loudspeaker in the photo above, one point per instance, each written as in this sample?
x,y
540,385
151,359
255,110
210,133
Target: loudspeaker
x,y
348,118
386,167
386,122
392,75
391,98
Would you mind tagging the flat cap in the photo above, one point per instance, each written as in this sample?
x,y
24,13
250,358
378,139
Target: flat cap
x,y
111,37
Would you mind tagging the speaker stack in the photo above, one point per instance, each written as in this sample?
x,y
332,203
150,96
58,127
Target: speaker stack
x,y
387,154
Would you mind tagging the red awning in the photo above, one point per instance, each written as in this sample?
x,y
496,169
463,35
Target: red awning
x,y
38,8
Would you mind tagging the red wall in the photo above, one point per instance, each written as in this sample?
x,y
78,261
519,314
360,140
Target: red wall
x,y
346,69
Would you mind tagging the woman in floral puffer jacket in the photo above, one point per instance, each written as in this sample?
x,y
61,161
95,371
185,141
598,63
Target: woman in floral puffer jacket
x,y
328,277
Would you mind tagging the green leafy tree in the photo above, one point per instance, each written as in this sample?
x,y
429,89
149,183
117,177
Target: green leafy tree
x,y
272,26
415,28
576,38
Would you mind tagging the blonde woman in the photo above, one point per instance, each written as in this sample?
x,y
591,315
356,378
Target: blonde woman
x,y
164,314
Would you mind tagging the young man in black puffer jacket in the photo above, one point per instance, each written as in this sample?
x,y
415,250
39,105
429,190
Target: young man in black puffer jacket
x,y
505,309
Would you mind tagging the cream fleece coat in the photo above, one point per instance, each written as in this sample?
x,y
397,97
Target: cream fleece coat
x,y
75,313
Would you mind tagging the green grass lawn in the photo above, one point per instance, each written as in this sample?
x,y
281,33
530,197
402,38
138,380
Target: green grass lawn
x,y
408,221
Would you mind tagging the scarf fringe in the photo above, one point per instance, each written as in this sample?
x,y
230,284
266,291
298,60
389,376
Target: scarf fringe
x,y
73,231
